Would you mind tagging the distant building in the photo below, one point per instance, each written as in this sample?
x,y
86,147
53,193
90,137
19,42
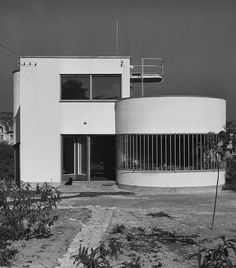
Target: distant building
x,y
6,132
77,117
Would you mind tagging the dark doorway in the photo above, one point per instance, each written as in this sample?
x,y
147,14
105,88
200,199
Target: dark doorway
x,y
103,157
89,157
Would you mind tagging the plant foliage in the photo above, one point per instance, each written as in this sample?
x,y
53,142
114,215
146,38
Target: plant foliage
x,y
219,146
218,256
91,258
26,213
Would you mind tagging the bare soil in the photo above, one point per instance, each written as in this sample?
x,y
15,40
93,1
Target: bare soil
x,y
45,252
163,230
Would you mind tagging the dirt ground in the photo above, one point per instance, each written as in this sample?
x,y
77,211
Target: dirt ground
x,y
149,220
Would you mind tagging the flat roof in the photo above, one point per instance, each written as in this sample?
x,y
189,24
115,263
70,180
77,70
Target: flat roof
x,y
79,57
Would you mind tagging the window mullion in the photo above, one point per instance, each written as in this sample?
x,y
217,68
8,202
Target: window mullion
x,y
91,87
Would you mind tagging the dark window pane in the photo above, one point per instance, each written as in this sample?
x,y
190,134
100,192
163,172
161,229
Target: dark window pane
x,y
68,155
106,86
75,87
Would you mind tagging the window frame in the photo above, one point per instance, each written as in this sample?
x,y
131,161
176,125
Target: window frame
x,y
90,87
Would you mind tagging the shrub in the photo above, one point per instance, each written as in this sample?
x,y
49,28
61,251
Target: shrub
x,y
26,214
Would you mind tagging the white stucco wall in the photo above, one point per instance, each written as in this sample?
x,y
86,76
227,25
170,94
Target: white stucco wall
x,y
170,115
44,117
170,179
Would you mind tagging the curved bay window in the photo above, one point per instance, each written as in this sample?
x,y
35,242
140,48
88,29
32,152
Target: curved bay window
x,y
164,152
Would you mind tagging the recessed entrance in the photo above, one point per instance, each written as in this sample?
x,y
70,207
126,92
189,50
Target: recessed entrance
x,y
89,157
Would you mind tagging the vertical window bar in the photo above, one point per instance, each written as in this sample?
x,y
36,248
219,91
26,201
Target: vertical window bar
x,y
130,151
157,148
125,156
215,157
165,151
148,152
123,144
161,154
197,146
211,158
127,151
193,160
121,151
175,152
136,152
200,151
180,151
152,145
204,155
170,151
127,138
207,160
144,151
184,150
133,156
188,153
140,152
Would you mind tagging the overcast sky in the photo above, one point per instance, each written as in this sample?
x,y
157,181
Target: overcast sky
x,y
196,38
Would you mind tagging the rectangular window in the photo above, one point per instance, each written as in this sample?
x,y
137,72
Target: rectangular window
x,y
90,87
75,87
106,86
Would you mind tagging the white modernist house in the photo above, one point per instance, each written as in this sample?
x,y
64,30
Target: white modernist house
x,y
76,117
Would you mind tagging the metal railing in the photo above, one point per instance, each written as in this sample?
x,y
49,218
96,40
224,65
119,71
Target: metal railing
x,y
150,70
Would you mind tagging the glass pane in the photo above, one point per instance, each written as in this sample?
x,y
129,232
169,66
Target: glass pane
x,y
103,157
75,87
68,155
106,86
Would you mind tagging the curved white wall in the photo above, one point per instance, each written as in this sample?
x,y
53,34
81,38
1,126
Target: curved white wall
x,y
170,115
169,179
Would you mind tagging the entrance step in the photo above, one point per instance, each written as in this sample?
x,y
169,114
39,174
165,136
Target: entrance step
x,y
92,186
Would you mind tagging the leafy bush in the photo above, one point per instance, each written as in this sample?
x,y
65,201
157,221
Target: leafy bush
x,y
26,213
218,256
